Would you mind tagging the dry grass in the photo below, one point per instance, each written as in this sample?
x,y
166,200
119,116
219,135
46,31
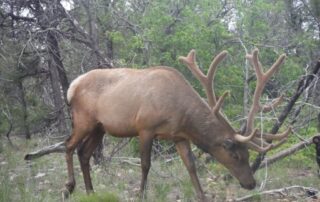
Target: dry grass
x,y
118,180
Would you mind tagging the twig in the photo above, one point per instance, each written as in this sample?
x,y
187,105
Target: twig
x,y
131,161
282,191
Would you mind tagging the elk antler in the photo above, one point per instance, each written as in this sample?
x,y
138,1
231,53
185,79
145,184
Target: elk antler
x,y
250,136
262,78
205,80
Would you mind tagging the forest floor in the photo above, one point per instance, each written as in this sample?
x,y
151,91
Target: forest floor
x,y
118,180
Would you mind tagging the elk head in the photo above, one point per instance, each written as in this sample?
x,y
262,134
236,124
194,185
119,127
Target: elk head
x,y
231,147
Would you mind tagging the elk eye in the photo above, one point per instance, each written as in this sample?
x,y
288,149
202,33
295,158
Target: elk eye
x,y
235,156
228,144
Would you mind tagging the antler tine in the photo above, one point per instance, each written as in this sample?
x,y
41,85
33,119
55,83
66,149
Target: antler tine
x,y
218,105
254,60
211,73
279,143
245,139
190,62
276,102
275,67
270,137
258,148
206,81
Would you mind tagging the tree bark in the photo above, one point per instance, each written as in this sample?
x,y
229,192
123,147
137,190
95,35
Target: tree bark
x,y
54,51
56,91
284,153
23,102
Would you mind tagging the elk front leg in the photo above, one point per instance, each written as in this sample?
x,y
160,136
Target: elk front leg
x,y
146,139
184,150
84,154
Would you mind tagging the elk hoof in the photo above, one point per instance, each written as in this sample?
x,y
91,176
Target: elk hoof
x,y
69,187
65,194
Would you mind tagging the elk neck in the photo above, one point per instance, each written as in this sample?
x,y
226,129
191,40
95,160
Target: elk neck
x,y
205,128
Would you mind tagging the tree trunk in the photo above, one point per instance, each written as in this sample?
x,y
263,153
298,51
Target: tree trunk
x,y
55,56
55,82
23,102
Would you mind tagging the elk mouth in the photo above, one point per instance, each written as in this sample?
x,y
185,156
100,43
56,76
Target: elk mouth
x,y
248,186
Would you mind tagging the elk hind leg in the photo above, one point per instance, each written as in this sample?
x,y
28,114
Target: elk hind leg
x,y
78,134
85,152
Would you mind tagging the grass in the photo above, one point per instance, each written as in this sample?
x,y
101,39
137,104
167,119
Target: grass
x,y
97,197
44,178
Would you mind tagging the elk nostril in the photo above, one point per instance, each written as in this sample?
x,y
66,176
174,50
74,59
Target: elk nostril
x,y
252,186
248,186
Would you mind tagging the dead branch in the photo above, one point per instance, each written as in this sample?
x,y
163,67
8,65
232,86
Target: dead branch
x,y
56,148
284,153
128,160
282,192
87,38
61,148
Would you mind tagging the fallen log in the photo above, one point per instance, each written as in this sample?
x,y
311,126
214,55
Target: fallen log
x,y
55,148
284,153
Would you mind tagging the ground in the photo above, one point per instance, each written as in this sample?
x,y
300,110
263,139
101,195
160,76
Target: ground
x,y
118,180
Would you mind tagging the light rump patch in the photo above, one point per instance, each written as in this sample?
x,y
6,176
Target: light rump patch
x,y
73,87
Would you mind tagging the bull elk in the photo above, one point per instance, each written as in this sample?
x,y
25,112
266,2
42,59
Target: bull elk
x,y
159,103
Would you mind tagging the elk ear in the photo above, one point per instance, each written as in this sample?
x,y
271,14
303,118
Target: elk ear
x,y
228,144
316,139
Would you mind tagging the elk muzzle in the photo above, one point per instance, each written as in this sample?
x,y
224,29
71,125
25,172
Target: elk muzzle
x,y
245,178
249,186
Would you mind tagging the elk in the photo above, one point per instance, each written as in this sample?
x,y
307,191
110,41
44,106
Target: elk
x,y
158,102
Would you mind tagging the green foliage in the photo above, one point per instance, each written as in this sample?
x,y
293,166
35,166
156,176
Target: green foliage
x,y
116,37
134,146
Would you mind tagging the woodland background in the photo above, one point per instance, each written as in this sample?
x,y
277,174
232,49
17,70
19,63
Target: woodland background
x,y
45,44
